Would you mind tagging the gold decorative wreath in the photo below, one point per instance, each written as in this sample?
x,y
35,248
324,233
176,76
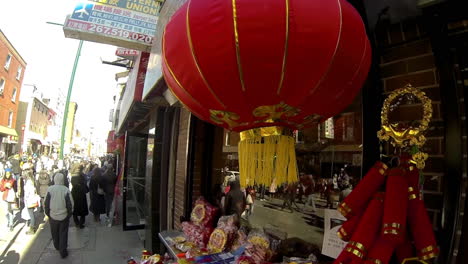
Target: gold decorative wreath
x,y
410,136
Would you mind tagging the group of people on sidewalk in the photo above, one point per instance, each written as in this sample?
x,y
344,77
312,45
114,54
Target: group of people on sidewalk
x,y
43,183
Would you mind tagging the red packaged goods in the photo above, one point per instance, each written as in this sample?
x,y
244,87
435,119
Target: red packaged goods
x,y
359,197
224,235
258,246
395,206
245,260
203,213
241,239
197,235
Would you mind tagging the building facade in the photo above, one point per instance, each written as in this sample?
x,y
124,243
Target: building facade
x,y
12,67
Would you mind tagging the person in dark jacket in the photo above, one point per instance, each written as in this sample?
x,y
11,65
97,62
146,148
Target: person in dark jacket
x,y
96,194
79,190
108,184
59,209
235,200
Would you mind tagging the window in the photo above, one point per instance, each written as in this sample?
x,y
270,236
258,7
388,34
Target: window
x,y
13,95
10,119
8,61
2,86
19,72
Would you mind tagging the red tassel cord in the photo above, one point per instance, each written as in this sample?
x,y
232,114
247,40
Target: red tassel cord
x,y
359,197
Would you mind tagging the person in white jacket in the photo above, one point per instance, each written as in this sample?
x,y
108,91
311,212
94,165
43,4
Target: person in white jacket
x,y
59,209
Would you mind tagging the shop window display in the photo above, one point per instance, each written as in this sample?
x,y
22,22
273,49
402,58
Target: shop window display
x,y
329,164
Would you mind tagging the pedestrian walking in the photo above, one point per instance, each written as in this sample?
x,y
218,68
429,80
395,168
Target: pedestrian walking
x,y
58,207
79,190
8,187
43,182
31,200
96,194
108,184
235,200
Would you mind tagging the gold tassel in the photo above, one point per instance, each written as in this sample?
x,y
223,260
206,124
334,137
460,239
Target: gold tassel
x,y
266,155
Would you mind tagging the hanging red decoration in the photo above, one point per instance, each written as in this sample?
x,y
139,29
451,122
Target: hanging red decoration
x,y
245,64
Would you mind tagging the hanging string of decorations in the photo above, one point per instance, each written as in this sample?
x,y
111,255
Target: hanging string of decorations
x,y
394,222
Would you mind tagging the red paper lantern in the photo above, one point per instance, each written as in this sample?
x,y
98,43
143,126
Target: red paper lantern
x,y
243,64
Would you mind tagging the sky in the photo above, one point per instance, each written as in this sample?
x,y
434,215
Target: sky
x,y
50,57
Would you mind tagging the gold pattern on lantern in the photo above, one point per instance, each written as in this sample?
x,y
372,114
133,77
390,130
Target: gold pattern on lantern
x,y
274,113
224,117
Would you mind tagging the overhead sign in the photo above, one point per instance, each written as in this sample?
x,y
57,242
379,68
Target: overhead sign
x,y
123,52
124,23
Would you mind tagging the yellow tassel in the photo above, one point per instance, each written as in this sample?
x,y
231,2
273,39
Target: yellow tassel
x,y
264,158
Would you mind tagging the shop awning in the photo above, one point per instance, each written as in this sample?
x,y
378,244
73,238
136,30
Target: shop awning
x,y
8,131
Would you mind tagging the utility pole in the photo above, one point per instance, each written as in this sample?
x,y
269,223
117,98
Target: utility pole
x,y
67,102
70,88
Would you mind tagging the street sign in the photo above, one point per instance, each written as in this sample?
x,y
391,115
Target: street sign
x,y
124,23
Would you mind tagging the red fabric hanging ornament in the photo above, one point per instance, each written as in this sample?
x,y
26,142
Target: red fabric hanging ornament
x,y
370,184
395,206
380,253
421,230
347,228
405,250
251,64
366,233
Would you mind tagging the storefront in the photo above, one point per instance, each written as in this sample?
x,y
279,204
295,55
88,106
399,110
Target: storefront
x,y
185,157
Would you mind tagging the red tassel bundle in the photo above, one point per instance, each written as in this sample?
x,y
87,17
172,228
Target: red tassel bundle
x,y
366,233
370,184
380,253
395,207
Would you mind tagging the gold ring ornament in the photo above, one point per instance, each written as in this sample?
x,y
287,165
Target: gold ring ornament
x,y
402,136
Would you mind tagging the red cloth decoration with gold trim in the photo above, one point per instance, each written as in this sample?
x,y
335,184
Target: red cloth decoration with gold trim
x,y
242,64
404,222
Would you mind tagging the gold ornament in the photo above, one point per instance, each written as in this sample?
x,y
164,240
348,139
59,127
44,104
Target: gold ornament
x,y
406,136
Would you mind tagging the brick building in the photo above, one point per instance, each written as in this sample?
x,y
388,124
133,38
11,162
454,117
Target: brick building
x,y
12,67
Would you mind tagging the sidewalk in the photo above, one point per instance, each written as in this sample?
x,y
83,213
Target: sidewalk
x,y
96,243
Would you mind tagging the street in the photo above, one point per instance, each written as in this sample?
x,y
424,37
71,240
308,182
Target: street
x,y
302,224
96,243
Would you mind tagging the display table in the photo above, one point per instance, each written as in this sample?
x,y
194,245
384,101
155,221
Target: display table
x,y
166,238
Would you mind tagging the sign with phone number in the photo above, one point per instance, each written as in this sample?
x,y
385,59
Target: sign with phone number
x,y
121,33
124,26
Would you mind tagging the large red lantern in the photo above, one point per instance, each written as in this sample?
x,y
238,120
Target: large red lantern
x,y
245,64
